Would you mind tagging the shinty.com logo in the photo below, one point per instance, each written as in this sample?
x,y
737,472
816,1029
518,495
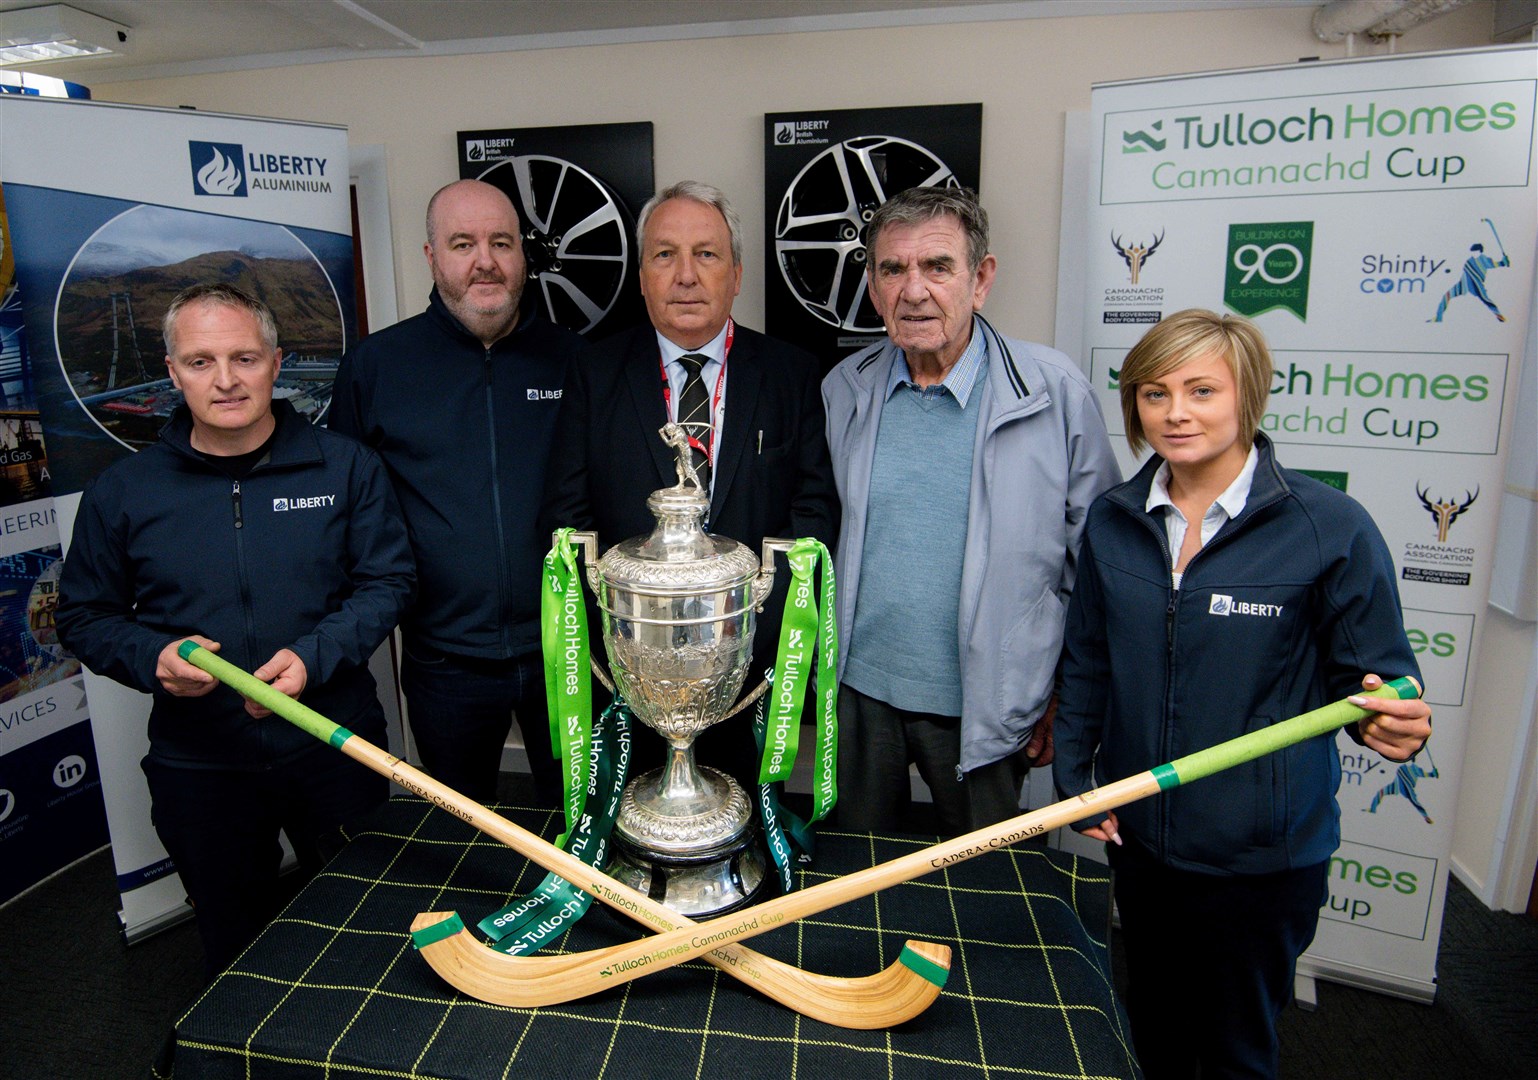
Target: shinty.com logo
x,y
218,169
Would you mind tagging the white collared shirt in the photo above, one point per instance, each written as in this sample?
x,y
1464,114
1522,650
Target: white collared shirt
x,y
1230,504
715,348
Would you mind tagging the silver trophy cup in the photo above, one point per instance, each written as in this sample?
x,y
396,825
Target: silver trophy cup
x,y
678,616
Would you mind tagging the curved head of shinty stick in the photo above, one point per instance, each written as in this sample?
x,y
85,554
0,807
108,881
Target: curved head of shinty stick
x,y
549,980
897,993
520,981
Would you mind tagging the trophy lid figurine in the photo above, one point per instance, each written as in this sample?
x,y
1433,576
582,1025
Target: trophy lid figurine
x,y
678,618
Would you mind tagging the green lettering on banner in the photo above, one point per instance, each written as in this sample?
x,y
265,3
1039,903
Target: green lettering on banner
x,y
568,678
806,641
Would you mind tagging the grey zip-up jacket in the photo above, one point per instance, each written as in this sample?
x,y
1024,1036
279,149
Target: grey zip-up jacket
x,y
1042,456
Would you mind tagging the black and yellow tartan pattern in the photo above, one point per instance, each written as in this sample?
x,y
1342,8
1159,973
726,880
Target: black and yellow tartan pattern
x,y
333,987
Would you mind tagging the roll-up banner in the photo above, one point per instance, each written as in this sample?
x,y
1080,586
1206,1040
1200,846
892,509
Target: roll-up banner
x,y
1376,218
50,788
112,210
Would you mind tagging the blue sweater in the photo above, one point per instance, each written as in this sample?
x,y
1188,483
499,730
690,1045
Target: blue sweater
x,y
903,649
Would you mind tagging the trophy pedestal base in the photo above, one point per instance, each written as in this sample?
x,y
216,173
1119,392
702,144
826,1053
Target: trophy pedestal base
x,y
699,855
700,888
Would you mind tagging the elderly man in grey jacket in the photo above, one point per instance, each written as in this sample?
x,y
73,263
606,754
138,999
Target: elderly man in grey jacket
x,y
966,462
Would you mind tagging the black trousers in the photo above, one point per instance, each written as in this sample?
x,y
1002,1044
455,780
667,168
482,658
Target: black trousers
x,y
461,709
220,826
1210,962
876,744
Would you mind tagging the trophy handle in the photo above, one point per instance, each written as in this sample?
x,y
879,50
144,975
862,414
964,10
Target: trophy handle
x,y
587,540
763,584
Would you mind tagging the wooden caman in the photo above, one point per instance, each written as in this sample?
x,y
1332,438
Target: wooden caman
x,y
897,993
529,981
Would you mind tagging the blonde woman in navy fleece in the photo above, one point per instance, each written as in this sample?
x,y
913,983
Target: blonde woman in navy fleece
x,y
1219,593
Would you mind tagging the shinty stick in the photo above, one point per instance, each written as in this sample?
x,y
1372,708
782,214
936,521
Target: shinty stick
x,y
529,981
522,981
898,993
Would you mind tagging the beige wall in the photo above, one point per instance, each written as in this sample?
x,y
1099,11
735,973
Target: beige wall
x,y
707,99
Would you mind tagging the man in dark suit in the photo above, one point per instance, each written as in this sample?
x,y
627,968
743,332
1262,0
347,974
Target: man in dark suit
x,y
765,458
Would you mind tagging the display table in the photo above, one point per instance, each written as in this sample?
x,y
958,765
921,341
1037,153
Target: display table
x,y
334,988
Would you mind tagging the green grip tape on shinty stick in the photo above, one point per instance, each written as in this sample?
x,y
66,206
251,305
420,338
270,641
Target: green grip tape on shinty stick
x,y
248,685
1256,744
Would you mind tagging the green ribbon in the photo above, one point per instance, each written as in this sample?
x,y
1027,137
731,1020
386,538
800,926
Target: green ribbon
x,y
541,916
799,650
790,839
807,640
568,677
825,747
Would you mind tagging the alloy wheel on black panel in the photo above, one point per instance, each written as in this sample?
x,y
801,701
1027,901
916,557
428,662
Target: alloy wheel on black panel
x,y
576,236
819,233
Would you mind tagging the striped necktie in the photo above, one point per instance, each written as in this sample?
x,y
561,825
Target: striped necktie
x,y
694,407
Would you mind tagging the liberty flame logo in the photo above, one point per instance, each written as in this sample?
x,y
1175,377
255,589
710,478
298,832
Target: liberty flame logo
x,y
218,169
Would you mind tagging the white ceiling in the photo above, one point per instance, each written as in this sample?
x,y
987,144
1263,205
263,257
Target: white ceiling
x,y
180,37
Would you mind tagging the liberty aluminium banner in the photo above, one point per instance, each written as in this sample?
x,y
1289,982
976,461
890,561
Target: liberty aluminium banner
x,y
112,211
1376,218
51,809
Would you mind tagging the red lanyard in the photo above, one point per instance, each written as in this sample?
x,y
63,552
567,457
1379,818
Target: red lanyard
x,y
715,398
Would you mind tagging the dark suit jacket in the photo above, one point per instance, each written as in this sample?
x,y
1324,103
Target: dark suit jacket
x,y
772,472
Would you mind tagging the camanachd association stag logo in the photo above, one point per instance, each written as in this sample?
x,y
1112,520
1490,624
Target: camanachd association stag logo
x,y
1135,253
1440,563
1134,302
1445,511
